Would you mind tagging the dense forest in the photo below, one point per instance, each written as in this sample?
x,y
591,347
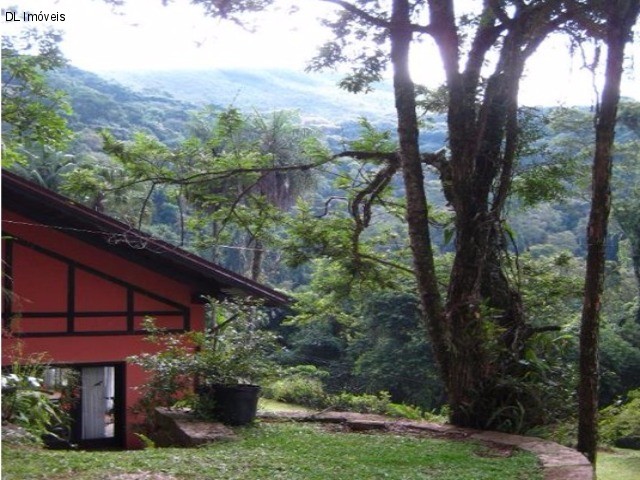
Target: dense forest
x,y
305,194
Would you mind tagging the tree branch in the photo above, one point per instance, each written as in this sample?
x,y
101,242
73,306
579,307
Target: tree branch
x,y
386,263
364,155
144,205
372,191
439,161
203,177
367,17
498,11
327,203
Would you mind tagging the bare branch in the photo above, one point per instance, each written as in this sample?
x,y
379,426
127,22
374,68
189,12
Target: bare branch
x,y
144,205
372,191
386,263
244,193
367,17
363,155
203,177
327,203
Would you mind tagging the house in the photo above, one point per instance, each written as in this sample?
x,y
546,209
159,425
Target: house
x,y
78,285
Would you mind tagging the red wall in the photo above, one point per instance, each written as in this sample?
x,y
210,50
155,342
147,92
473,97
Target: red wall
x,y
39,287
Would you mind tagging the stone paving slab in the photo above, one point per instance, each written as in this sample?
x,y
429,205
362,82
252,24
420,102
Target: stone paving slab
x,y
179,428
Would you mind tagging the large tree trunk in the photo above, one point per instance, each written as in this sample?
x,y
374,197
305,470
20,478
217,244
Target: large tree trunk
x,y
621,17
480,333
483,142
417,210
457,331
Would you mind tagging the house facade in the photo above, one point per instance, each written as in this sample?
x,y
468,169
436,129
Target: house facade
x,y
77,287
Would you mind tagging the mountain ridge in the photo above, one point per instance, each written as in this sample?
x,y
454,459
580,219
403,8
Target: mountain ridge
x,y
316,96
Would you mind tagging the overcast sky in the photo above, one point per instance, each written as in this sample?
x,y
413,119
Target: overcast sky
x,y
145,35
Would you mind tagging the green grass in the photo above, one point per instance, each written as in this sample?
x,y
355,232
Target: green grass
x,y
619,464
283,451
268,405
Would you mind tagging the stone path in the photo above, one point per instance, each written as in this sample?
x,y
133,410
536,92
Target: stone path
x,y
558,462
178,428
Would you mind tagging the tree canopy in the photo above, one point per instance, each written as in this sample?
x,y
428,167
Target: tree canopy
x,y
32,111
478,327
479,308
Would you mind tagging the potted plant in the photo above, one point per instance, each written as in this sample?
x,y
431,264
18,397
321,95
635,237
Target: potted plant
x,y
232,356
222,365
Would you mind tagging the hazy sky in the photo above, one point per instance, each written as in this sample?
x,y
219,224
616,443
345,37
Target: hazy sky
x,y
145,35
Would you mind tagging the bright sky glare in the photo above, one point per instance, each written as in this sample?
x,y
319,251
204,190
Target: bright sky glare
x,y
143,35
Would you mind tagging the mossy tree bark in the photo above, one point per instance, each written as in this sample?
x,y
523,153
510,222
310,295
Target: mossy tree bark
x,y
622,15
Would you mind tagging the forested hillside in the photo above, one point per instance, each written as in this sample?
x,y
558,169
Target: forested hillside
x,y
157,102
314,95
98,103
547,216
283,178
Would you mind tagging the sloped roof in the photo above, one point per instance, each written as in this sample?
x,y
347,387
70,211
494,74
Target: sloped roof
x,y
49,208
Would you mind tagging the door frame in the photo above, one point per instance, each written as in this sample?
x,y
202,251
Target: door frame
x,y
119,408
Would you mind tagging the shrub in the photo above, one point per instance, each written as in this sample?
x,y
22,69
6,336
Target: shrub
x,y
404,411
26,404
301,385
361,403
308,392
622,419
170,379
234,349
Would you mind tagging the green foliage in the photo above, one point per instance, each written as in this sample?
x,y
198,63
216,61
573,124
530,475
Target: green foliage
x,y
170,377
619,361
300,385
432,101
622,419
362,403
233,178
626,206
392,352
410,412
372,139
32,112
547,171
359,44
552,288
234,349
98,104
543,183
146,441
26,403
348,249
540,386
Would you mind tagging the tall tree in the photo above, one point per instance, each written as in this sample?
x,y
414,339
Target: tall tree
x,y
478,328
621,15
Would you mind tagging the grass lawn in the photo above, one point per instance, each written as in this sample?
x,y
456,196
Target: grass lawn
x,y
282,451
268,405
619,464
